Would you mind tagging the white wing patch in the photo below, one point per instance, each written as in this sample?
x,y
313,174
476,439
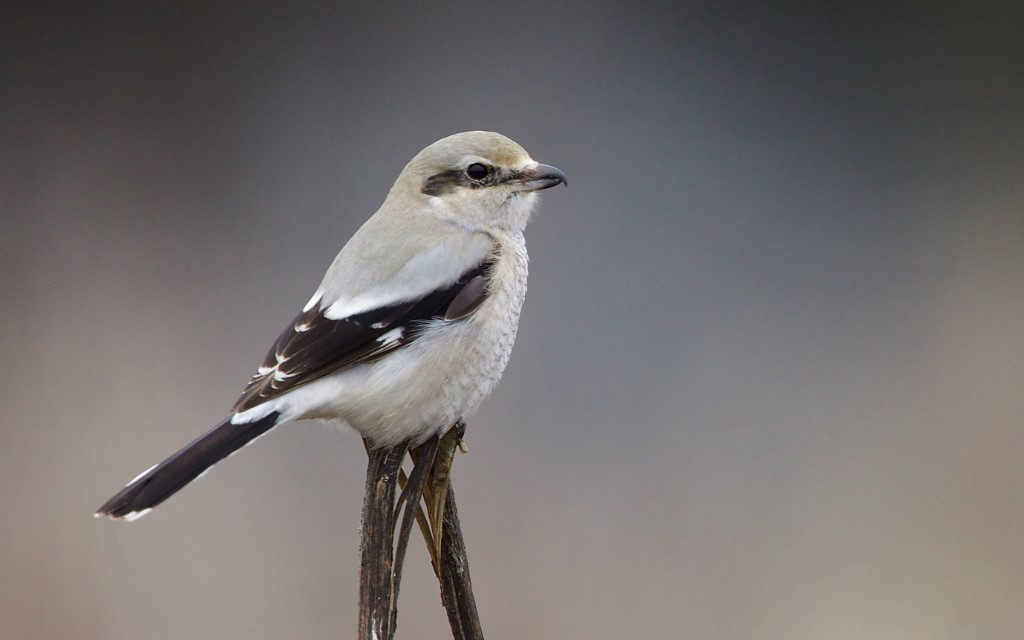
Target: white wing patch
x,y
436,266
391,337
314,300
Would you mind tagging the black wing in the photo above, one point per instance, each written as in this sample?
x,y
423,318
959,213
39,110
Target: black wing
x,y
315,346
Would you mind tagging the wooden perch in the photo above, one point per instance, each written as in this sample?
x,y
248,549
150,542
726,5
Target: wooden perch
x,y
382,556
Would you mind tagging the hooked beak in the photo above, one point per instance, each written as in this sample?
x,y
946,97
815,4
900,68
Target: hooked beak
x,y
541,176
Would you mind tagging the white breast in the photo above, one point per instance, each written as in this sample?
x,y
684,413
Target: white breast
x,y
432,382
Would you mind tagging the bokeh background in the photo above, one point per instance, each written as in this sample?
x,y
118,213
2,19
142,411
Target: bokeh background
x,y
769,380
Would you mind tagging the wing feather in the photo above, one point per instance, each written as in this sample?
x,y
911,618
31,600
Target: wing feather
x,y
316,345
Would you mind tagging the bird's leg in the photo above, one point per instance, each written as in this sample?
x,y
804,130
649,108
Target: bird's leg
x,y
377,601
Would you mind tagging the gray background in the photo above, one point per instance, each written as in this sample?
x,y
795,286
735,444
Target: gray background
x,y
768,382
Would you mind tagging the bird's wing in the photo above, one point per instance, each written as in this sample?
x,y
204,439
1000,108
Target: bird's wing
x,y
324,338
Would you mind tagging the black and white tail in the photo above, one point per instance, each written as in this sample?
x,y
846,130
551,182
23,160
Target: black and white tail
x,y
158,483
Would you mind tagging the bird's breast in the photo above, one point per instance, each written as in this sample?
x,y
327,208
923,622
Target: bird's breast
x,y
446,373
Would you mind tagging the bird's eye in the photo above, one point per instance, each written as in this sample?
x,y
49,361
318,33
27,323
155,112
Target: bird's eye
x,y
477,171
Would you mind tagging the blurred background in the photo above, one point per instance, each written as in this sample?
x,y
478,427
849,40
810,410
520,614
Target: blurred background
x,y
769,381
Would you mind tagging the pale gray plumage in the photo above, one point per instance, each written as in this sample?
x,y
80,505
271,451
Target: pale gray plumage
x,y
380,346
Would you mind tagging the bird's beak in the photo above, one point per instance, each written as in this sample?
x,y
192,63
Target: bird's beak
x,y
541,176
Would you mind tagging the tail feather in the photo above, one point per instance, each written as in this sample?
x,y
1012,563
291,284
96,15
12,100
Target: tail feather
x,y
162,481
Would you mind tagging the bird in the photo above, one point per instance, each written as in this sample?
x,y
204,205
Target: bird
x,y
412,325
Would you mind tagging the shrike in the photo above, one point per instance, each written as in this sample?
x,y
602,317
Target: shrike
x,y
411,327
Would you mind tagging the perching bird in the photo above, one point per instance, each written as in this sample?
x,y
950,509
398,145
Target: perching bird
x,y
411,327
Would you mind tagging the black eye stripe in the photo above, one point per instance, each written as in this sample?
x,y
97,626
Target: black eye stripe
x,y
448,181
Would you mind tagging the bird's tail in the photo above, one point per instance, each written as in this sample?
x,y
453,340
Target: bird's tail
x,y
158,483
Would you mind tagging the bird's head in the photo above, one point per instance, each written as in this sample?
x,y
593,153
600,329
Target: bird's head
x,y
477,179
